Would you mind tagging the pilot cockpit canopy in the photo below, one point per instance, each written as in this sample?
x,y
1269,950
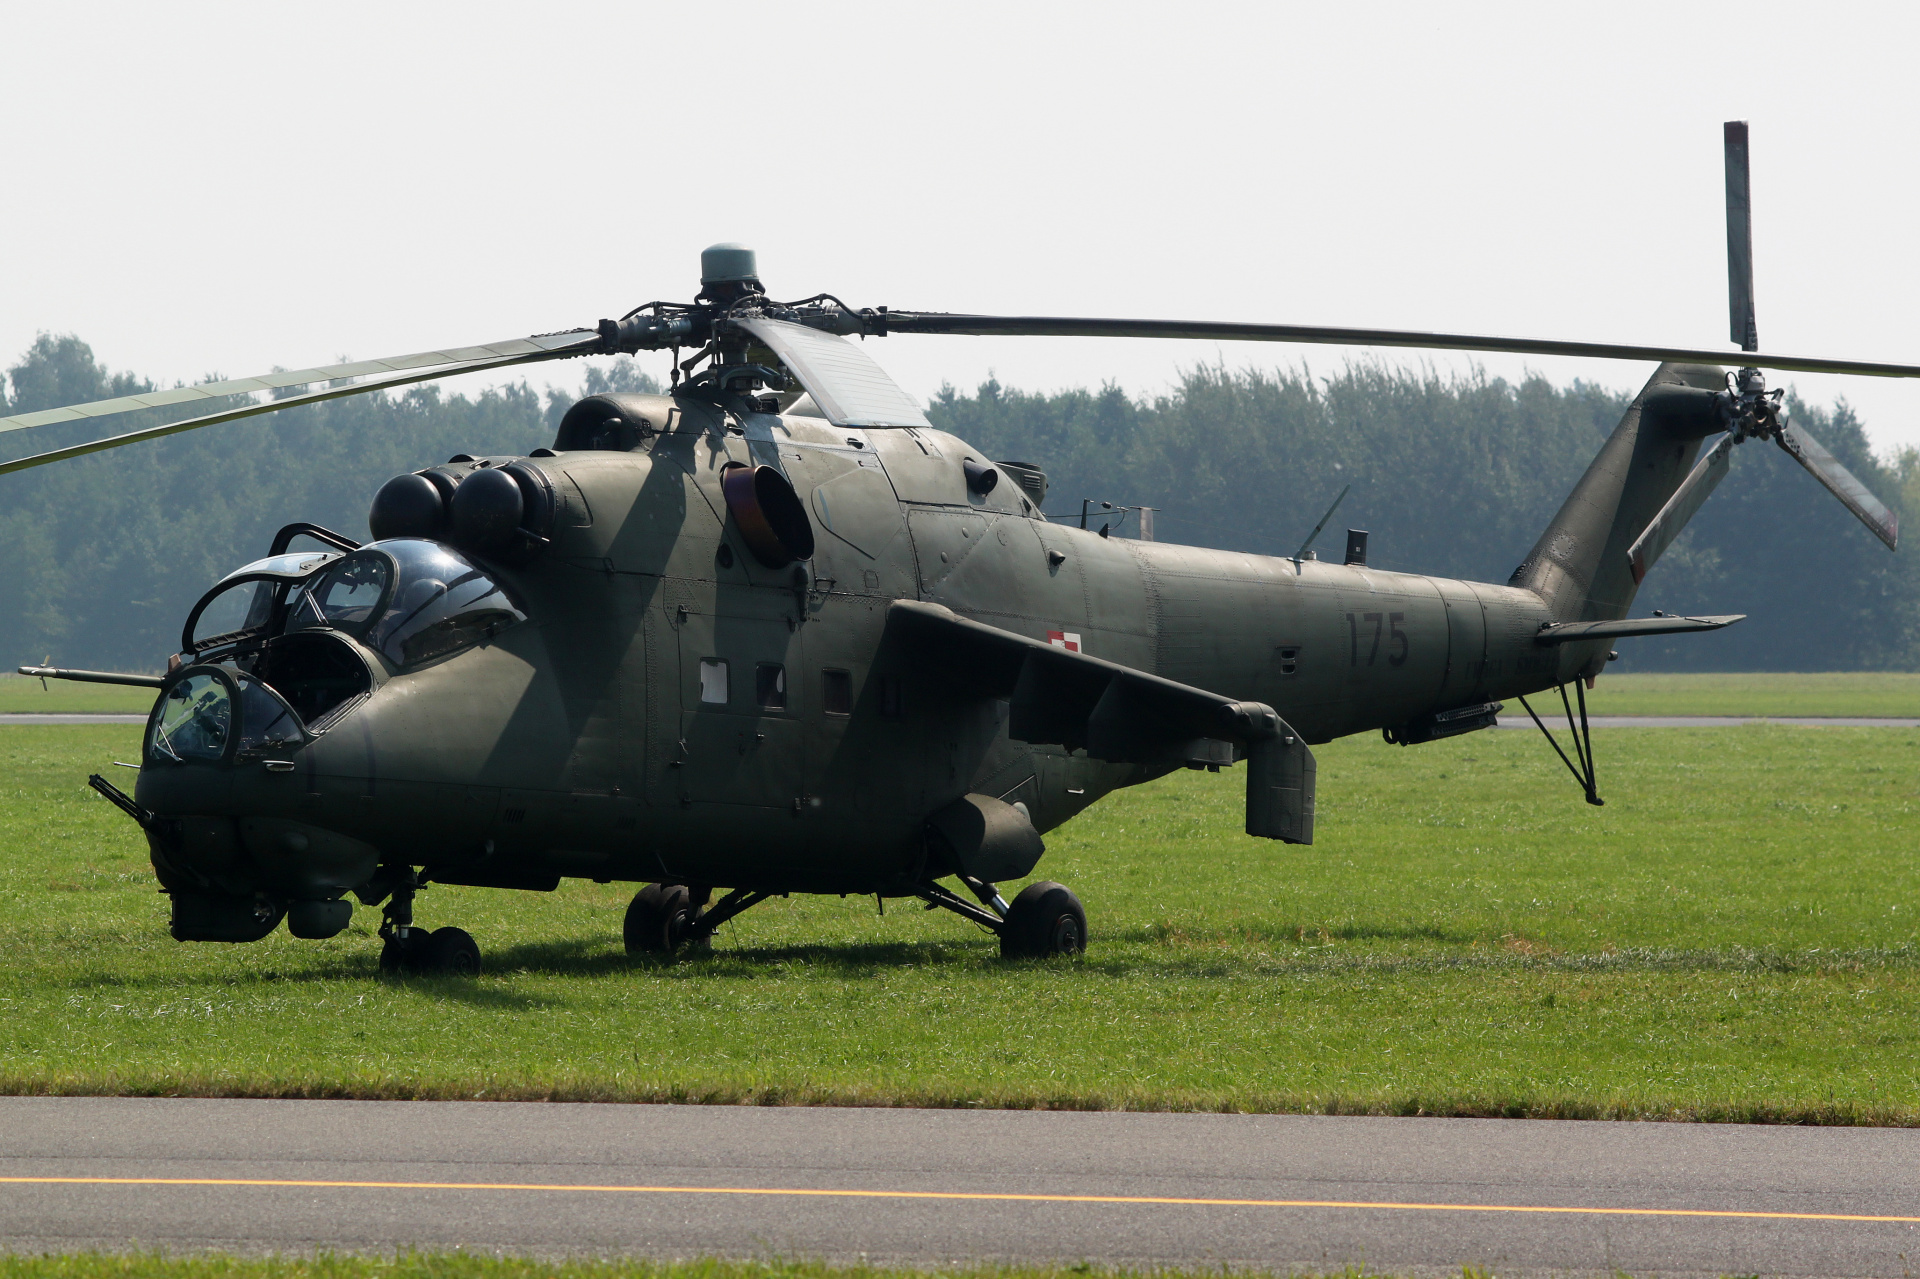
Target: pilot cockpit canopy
x,y
411,599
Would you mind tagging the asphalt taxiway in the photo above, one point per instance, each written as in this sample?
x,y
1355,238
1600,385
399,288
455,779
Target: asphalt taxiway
x,y
928,1187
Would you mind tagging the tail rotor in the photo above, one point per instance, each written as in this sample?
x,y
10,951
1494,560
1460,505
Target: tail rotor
x,y
1747,408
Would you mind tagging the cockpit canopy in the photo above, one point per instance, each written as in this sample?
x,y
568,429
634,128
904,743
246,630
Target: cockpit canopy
x,y
241,606
410,599
194,719
267,640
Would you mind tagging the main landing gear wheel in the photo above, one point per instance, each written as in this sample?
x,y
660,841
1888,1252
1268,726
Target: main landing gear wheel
x,y
1045,919
657,919
444,952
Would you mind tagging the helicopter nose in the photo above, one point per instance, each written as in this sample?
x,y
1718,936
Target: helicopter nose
x,y
175,790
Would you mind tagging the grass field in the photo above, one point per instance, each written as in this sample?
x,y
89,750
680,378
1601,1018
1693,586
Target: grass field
x,y
1731,937
1846,693
22,695
1891,694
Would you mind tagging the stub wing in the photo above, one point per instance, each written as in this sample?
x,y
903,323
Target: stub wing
x,y
1116,713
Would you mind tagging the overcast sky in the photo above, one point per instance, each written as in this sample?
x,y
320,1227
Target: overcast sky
x,y
201,188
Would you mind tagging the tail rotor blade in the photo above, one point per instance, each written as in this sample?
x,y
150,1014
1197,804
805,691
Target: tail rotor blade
x,y
1840,482
1666,526
1740,322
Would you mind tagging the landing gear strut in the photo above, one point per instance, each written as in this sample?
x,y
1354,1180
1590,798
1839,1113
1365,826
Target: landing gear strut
x,y
1045,919
447,952
664,917
1582,734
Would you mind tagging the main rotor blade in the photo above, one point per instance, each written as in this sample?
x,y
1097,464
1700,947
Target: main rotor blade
x,y
550,346
1216,331
1841,483
1664,527
254,410
1740,323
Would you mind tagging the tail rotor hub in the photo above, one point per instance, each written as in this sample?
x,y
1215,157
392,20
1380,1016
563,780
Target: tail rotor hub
x,y
1749,409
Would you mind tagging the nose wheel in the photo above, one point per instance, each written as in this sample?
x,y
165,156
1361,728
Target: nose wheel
x,y
444,952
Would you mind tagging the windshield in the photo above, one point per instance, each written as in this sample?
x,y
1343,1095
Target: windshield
x,y
244,604
441,604
241,608
192,721
344,596
195,718
412,599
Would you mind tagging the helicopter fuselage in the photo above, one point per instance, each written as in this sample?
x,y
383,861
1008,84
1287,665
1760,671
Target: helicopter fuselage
x,y
673,710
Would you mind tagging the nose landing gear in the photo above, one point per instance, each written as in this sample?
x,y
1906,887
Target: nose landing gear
x,y
443,952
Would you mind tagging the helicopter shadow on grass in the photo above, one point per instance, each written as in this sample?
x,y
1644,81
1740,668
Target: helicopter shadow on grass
x,y
587,958
346,968
1199,954
1162,933
563,957
465,990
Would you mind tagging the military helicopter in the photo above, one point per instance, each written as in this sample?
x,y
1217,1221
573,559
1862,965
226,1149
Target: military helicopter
x,y
773,632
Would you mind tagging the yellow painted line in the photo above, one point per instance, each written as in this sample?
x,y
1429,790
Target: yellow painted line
x,y
1166,1200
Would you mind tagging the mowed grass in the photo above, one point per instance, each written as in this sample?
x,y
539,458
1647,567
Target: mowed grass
x,y
21,694
1882,694
1732,936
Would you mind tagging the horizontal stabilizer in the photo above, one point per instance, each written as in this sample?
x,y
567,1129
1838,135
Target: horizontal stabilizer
x,y
1626,627
1116,713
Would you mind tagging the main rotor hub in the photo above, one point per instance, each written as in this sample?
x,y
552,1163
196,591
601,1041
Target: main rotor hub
x,y
728,264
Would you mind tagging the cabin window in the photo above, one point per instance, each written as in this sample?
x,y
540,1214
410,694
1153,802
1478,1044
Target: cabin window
x,y
713,681
770,686
836,693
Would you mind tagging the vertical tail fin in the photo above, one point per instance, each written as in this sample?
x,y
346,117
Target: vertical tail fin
x,y
1580,566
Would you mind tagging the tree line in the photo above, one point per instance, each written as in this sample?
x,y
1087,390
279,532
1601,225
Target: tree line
x,y
1453,475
